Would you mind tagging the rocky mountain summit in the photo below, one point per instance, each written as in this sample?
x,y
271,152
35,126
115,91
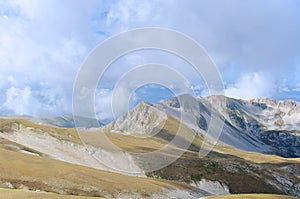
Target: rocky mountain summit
x,y
246,127
259,125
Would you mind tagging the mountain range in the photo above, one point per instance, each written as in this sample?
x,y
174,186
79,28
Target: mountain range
x,y
259,125
257,150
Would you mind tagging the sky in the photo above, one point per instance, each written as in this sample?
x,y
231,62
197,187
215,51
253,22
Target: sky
x,y
254,43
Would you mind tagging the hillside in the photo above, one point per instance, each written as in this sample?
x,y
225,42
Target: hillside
x,y
24,194
65,121
248,125
25,171
227,164
250,196
148,152
225,168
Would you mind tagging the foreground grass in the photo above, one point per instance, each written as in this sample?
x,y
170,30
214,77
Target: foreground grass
x,y
24,194
251,196
46,174
42,173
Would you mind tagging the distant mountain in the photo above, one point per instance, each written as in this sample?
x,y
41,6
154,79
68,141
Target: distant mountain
x,y
260,125
270,114
66,121
74,162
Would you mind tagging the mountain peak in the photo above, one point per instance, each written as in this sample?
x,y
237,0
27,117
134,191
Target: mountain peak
x,y
143,104
143,119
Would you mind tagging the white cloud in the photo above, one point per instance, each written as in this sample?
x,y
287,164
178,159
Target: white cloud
x,y
43,43
11,79
124,15
17,100
285,89
291,88
297,88
251,86
20,101
103,100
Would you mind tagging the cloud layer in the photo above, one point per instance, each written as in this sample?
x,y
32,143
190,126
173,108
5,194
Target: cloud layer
x,y
255,44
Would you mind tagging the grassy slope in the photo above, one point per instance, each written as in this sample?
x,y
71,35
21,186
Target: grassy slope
x,y
186,168
219,162
255,157
134,144
13,194
51,175
66,134
251,196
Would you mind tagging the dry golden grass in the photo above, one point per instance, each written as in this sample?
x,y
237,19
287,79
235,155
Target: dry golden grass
x,y
126,142
255,157
251,196
135,144
56,176
140,145
13,194
172,126
60,133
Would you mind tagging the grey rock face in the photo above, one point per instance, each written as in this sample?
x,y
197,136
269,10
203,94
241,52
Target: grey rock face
x,y
259,125
143,120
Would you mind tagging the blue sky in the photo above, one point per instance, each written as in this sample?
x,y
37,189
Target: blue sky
x,y
255,45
